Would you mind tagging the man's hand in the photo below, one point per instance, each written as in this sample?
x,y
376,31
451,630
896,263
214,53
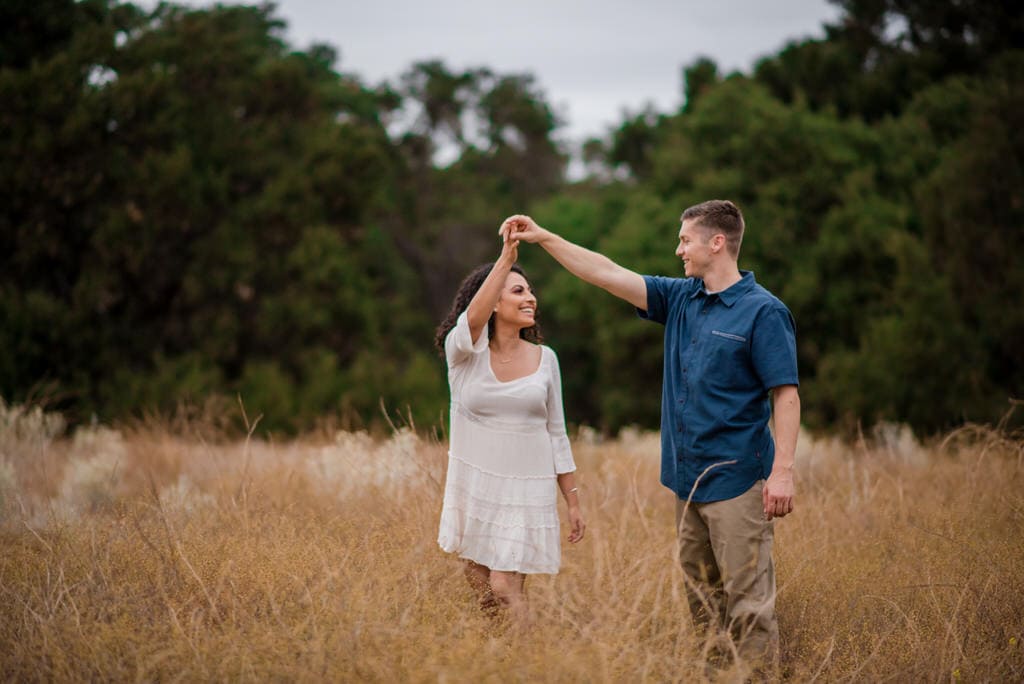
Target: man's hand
x,y
523,228
778,493
583,263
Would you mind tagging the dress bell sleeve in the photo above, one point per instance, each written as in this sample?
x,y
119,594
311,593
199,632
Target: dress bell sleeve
x,y
556,421
459,346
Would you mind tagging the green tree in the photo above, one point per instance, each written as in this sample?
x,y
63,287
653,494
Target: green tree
x,y
184,215
496,134
972,210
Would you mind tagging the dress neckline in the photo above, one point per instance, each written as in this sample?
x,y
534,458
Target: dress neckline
x,y
494,375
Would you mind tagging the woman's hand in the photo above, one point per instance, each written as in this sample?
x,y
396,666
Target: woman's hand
x,y
577,524
523,228
509,245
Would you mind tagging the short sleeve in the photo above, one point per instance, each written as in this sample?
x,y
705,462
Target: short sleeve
x,y
459,346
560,446
657,300
662,294
773,347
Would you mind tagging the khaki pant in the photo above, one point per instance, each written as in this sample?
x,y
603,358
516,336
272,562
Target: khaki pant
x,y
725,548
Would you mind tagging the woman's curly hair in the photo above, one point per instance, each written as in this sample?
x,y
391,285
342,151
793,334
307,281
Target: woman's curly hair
x,y
468,288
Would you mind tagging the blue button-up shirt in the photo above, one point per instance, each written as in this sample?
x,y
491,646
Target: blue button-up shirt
x,y
723,353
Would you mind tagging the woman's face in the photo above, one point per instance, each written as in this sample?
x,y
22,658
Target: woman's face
x,y
517,305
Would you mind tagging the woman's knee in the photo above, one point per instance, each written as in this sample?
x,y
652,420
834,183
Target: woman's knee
x,y
505,585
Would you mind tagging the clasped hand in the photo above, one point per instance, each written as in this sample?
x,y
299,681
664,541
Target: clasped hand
x,y
524,228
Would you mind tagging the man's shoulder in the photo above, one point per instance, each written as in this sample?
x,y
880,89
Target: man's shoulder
x,y
763,306
673,285
762,297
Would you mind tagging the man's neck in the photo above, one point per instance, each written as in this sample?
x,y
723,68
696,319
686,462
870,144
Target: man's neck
x,y
723,277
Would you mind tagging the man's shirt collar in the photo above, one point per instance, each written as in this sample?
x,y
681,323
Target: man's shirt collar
x,y
731,294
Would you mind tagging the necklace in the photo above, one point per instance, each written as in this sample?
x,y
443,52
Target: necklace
x,y
509,359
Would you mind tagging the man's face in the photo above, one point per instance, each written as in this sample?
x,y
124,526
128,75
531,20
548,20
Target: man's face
x,y
694,248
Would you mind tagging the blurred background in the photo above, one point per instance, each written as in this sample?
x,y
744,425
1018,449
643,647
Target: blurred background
x,y
195,207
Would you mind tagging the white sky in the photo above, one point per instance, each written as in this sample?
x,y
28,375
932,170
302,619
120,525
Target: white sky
x,y
593,60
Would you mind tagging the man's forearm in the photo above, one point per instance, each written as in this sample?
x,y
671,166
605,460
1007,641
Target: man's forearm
x,y
787,425
596,269
778,492
580,261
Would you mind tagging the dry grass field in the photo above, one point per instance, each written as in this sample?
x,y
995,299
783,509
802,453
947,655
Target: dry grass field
x,y
167,553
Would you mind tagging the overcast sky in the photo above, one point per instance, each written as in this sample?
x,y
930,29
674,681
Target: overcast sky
x,y
591,59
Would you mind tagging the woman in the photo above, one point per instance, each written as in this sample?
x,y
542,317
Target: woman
x,y
509,453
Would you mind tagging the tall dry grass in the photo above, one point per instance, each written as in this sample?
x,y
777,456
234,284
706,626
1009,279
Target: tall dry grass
x,y
158,553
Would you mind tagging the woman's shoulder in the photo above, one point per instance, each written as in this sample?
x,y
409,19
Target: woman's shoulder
x,y
547,354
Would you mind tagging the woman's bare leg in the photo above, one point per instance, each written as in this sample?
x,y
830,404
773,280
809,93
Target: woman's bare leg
x,y
479,577
510,589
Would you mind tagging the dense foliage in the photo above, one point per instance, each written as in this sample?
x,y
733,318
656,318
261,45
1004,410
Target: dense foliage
x,y
192,209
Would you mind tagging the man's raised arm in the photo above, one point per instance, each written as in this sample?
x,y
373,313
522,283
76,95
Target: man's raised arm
x,y
583,263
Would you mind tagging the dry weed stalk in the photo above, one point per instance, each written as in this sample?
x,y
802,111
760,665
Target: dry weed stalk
x,y
315,560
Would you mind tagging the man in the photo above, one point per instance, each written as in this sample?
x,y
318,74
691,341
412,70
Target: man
x,y
730,359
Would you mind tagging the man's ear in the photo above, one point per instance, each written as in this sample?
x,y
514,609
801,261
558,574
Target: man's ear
x,y
717,242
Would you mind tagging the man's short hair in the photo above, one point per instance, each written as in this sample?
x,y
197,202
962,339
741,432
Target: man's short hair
x,y
720,216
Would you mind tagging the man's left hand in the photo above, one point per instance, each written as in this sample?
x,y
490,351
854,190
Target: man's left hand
x,y
778,493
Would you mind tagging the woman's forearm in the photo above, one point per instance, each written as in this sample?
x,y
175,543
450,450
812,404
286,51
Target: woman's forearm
x,y
570,492
480,307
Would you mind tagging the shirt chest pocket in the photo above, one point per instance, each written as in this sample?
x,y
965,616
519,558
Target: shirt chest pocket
x,y
728,358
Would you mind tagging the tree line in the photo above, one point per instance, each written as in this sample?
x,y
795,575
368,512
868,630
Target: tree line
x,y
194,209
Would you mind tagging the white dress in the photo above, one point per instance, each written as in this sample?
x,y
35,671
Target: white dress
x,y
507,444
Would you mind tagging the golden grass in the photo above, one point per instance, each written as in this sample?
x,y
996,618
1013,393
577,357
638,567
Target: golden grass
x,y
159,554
